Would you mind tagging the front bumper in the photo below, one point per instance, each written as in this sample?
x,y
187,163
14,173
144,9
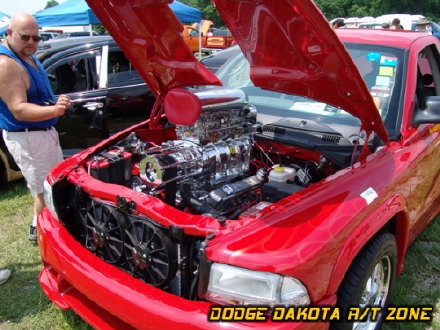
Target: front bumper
x,y
110,299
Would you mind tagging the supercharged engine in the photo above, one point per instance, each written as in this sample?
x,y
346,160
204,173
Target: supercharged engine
x,y
205,169
224,166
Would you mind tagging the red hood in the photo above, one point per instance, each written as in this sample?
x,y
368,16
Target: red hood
x,y
289,44
292,49
149,33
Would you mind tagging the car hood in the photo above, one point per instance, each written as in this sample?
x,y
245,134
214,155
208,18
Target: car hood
x,y
150,35
289,44
292,49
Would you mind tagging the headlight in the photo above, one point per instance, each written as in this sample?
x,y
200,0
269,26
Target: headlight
x,y
239,286
48,197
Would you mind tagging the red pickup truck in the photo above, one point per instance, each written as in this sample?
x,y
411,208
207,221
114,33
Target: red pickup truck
x,y
301,182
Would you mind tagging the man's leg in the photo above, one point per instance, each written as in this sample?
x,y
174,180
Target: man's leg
x,y
35,152
39,205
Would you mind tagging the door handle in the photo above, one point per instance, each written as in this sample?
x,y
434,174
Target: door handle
x,y
92,106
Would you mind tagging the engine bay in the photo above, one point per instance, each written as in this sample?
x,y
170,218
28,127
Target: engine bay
x,y
223,166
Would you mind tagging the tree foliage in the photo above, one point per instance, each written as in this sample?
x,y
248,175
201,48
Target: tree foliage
x,y
51,3
208,11
360,8
345,8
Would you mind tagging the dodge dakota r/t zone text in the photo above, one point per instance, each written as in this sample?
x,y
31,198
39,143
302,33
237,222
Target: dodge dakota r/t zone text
x,y
299,182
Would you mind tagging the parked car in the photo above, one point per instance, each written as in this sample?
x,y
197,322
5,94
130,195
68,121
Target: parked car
x,y
203,37
108,93
78,34
195,34
220,32
373,25
48,35
300,182
214,61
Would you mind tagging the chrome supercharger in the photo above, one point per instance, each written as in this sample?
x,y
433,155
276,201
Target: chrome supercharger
x,y
200,168
213,151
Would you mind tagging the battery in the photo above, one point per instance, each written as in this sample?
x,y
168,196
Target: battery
x,y
111,166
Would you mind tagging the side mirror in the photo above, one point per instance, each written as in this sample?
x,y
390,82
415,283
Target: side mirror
x,y
429,115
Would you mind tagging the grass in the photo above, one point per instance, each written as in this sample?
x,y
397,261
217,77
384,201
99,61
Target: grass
x,y
419,283
23,305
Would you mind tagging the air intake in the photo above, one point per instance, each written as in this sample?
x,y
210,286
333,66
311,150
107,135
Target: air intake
x,y
297,134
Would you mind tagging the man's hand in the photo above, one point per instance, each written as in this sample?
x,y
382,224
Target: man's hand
x,y
63,104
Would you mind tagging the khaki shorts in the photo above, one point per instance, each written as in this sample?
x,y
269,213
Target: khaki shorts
x,y
35,152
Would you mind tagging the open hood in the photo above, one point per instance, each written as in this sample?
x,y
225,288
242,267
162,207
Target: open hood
x,y
289,44
150,35
292,49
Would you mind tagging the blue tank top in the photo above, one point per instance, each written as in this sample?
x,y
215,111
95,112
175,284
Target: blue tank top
x,y
39,91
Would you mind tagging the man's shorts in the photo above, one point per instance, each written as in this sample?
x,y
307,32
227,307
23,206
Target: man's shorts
x,y
35,152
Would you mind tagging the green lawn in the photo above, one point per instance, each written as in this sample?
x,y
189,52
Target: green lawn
x,y
23,306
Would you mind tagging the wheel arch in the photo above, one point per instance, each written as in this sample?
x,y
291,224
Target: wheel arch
x,y
391,217
4,165
9,171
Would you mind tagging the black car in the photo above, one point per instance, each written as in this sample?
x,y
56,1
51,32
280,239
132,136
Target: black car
x,y
214,61
108,93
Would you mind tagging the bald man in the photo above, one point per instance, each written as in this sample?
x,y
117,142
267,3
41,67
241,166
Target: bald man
x,y
28,108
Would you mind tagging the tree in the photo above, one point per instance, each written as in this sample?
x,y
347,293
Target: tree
x,y
208,11
51,3
360,8
344,8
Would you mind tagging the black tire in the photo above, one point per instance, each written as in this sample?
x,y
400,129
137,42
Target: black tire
x,y
3,177
376,263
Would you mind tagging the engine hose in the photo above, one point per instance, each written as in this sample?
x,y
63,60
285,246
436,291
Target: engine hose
x,y
202,207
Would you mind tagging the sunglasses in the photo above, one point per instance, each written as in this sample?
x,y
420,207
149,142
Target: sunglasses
x,y
26,37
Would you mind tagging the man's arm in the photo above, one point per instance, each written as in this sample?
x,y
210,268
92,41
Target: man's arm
x,y
14,82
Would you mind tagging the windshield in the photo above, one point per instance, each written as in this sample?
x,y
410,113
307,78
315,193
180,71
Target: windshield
x,y
381,68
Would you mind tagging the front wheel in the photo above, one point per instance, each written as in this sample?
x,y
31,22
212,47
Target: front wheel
x,y
369,282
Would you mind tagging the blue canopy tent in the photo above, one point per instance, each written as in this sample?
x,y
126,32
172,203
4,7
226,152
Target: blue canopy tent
x,y
3,15
186,13
69,13
4,22
77,12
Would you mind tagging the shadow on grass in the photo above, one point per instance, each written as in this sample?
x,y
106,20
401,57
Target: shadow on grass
x,y
14,189
75,321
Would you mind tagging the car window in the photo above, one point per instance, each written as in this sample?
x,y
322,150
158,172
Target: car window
x,y
194,33
45,36
120,69
379,68
428,78
75,73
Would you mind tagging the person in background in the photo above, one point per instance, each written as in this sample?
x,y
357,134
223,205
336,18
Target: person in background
x,y
395,24
424,26
28,108
5,274
338,23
